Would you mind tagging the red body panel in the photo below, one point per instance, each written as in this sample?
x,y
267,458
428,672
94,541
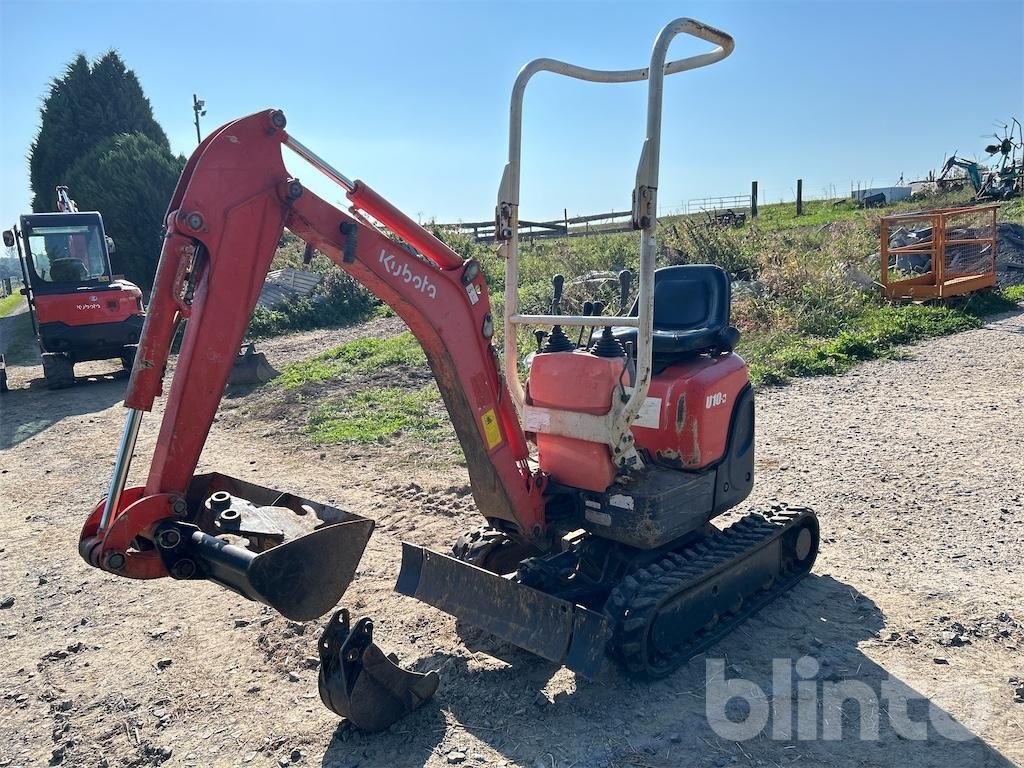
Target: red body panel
x,y
581,382
684,423
687,424
85,307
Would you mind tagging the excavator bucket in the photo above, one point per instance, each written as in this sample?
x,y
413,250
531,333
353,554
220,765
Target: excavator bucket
x,y
295,555
362,684
251,367
553,628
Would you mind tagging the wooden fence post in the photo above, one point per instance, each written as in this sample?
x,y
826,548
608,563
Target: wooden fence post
x,y
799,197
753,199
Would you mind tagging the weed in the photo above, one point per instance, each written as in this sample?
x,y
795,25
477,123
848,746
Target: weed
x,y
1014,293
874,333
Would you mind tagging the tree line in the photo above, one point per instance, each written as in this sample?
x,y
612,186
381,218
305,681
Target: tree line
x,y
97,136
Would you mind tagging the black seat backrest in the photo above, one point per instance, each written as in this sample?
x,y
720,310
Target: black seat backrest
x,y
689,297
691,314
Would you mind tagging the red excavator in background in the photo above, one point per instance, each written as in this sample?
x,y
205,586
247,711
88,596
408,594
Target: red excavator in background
x,y
598,477
79,309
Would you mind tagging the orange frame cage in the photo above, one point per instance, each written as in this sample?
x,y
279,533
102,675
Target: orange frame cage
x,y
943,279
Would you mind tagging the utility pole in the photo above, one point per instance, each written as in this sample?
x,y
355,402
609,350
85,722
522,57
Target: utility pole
x,y
197,107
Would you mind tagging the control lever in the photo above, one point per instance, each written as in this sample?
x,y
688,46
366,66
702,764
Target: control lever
x,y
558,341
598,311
557,283
540,334
588,307
625,279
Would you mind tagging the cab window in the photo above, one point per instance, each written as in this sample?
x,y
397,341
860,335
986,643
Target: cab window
x,y
67,254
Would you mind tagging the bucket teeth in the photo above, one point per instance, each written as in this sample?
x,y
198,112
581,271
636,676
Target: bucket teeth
x,y
362,684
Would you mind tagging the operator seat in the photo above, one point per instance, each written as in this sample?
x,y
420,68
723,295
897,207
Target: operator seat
x,y
68,270
691,314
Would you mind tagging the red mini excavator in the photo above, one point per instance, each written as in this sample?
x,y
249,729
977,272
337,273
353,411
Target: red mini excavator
x,y
79,309
597,476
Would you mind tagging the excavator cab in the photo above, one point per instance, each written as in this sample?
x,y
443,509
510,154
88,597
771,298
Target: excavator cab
x,y
66,251
79,309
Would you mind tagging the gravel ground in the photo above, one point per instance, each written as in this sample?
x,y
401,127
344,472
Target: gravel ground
x,y
914,466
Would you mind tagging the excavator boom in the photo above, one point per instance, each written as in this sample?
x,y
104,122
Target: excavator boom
x,y
232,203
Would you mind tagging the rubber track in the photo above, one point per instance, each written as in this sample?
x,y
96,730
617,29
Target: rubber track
x,y
634,604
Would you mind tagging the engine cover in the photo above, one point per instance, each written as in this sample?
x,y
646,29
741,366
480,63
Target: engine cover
x,y
684,423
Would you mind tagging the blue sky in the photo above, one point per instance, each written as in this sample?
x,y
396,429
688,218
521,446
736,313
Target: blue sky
x,y
413,97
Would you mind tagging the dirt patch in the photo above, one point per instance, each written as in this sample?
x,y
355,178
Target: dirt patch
x,y
914,466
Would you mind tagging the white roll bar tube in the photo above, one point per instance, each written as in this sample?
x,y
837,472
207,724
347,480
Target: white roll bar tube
x,y
614,428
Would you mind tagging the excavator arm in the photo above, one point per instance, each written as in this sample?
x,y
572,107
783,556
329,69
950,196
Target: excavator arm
x,y
232,203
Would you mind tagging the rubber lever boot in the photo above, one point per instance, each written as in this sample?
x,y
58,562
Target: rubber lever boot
x,y
608,345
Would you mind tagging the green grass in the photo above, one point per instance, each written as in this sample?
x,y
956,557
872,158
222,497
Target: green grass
x,y
1014,293
8,304
374,415
877,332
21,341
359,356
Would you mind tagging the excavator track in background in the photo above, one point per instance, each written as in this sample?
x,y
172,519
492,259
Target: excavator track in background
x,y
673,609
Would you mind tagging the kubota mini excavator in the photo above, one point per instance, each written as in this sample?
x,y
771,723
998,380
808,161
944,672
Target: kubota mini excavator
x,y
79,309
597,479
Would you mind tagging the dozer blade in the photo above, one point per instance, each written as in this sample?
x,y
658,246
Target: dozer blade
x,y
550,627
360,683
251,367
295,555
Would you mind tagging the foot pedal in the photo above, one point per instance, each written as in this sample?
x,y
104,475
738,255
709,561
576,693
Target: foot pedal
x,y
360,683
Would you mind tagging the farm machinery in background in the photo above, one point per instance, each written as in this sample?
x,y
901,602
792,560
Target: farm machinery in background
x,y
1006,180
597,476
78,308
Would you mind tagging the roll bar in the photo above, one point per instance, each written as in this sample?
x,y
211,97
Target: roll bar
x,y
614,428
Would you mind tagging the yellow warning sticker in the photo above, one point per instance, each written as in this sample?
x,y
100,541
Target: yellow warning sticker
x,y
492,431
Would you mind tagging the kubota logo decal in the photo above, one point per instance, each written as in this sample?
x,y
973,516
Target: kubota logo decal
x,y
87,306
420,282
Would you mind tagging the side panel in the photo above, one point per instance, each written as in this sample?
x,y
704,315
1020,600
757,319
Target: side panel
x,y
689,408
